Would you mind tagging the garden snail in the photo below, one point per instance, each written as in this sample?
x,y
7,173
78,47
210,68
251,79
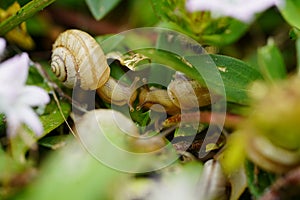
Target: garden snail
x,y
78,59
187,94
151,96
118,93
182,93
76,56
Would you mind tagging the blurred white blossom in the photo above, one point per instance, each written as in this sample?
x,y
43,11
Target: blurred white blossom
x,y
176,189
239,9
16,98
207,184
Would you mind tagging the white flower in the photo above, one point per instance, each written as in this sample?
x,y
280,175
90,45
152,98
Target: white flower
x,y
16,98
239,9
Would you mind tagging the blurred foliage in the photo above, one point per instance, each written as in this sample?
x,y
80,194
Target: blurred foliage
x,y
63,172
199,25
55,166
19,34
271,62
100,8
291,12
258,179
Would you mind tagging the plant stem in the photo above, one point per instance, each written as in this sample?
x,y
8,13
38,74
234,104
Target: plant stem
x,y
23,14
298,54
230,120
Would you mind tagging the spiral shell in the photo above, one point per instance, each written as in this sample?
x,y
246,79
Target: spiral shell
x,y
188,94
271,157
77,57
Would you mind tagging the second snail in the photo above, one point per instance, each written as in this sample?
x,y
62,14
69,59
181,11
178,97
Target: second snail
x,y
77,58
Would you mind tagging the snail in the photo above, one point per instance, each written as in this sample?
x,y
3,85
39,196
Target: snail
x,y
118,93
271,157
213,183
181,94
78,58
151,96
187,94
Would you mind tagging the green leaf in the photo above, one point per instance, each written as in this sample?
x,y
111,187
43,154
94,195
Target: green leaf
x,y
140,117
291,12
233,32
54,142
258,179
100,8
34,78
2,123
236,75
23,14
52,118
72,173
271,63
146,16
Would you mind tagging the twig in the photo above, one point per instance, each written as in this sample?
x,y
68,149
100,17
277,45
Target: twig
x,y
23,14
231,121
54,88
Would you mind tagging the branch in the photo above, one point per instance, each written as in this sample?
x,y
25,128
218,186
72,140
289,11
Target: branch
x,y
23,14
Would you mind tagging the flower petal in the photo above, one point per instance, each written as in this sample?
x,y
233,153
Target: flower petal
x,y
22,114
31,119
2,46
239,9
13,123
14,71
34,96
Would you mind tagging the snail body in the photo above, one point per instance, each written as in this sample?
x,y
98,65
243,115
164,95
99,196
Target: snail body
x,y
181,94
152,96
117,93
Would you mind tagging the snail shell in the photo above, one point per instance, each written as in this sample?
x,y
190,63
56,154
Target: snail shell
x,y
76,56
151,96
270,156
187,94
